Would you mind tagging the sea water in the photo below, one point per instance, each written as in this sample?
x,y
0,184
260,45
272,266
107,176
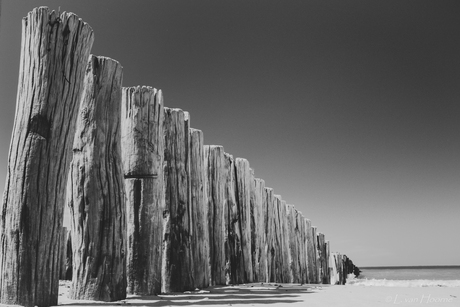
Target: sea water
x,y
408,276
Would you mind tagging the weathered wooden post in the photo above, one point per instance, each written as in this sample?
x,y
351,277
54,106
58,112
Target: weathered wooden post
x,y
316,259
143,155
328,267
54,54
259,255
95,191
285,239
320,250
270,232
303,247
217,215
199,211
243,192
177,267
233,247
311,252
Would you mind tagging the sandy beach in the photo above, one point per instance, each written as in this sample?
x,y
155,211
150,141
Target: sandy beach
x,y
290,295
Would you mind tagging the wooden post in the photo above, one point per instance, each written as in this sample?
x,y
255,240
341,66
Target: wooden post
x,y
54,54
270,231
278,241
177,267
216,189
95,191
243,192
328,267
143,155
258,237
293,244
312,256
285,242
321,252
303,262
234,252
199,211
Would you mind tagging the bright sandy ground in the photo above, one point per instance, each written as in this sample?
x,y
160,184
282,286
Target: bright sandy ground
x,y
292,295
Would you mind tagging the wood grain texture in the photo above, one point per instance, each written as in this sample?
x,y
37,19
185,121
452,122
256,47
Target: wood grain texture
x,y
54,53
216,193
199,211
143,155
63,253
243,198
95,190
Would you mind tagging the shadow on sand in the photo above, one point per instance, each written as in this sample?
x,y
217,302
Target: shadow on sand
x,y
219,295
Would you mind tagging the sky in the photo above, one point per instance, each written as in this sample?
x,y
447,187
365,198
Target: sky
x,y
348,109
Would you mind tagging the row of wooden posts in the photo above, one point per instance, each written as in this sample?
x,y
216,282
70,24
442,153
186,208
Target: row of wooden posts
x,y
152,209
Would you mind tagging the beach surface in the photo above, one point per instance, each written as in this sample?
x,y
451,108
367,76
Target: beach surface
x,y
258,294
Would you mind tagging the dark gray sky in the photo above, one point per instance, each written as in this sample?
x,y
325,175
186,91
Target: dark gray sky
x,y
348,109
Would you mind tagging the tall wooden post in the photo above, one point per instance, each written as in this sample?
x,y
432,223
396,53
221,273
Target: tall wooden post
x,y
199,211
243,192
311,253
95,191
233,248
177,267
258,237
54,54
143,155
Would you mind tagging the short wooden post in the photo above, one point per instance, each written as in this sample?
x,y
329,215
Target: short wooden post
x,y
177,267
54,54
199,211
142,138
95,191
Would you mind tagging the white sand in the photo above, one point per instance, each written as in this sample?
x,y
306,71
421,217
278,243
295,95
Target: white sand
x,y
292,295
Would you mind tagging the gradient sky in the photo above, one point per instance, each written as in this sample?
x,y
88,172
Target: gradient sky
x,y
348,109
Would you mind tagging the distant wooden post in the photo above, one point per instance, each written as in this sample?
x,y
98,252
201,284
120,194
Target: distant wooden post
x,y
54,54
199,211
95,192
327,279
177,267
243,192
142,150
